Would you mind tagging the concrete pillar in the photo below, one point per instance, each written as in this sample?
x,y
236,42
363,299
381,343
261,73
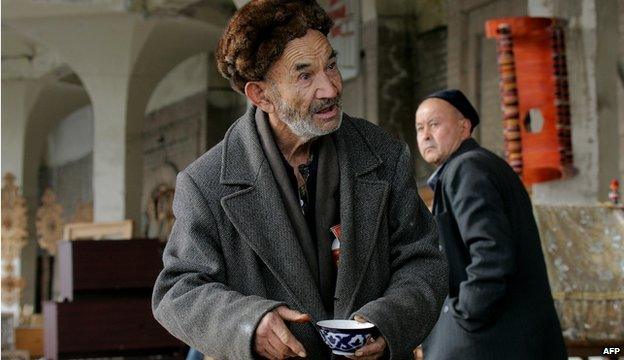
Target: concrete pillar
x,y
110,148
621,85
395,24
17,100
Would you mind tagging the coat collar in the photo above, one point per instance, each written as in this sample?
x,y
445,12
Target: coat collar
x,y
436,177
243,155
362,157
465,146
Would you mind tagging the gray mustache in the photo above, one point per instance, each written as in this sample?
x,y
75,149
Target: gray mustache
x,y
318,105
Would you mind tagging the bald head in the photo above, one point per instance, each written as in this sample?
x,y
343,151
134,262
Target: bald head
x,y
440,130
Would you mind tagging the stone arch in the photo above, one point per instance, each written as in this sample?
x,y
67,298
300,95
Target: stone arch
x,y
53,101
169,42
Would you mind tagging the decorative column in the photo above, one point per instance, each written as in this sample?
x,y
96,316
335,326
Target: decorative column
x,y
14,237
49,233
534,96
509,97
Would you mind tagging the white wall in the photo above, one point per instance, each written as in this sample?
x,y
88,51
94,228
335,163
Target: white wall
x,y
186,79
72,139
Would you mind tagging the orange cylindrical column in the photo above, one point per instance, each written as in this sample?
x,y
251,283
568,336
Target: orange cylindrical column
x,y
532,63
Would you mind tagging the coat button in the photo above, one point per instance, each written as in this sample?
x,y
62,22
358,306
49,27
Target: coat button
x,y
446,308
441,247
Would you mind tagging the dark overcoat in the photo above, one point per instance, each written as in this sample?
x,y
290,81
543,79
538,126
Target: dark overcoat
x,y
233,255
499,304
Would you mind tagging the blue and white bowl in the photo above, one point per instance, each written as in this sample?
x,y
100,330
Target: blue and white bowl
x,y
344,337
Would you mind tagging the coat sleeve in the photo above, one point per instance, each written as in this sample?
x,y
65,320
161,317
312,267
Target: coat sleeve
x,y
191,298
478,209
418,284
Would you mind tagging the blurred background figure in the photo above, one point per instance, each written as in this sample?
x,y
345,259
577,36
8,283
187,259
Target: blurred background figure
x,y
499,304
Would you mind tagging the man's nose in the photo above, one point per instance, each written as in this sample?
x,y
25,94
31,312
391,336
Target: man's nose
x,y
425,134
325,89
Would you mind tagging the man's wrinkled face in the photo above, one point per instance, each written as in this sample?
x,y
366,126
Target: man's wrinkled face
x,y
305,86
440,130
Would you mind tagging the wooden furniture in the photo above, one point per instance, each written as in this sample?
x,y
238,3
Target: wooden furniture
x,y
107,265
98,231
30,338
104,326
105,288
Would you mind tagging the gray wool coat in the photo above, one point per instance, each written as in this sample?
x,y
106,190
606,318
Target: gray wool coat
x,y
233,255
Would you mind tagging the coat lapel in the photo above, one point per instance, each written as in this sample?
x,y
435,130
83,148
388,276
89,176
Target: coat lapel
x,y
438,195
362,204
259,216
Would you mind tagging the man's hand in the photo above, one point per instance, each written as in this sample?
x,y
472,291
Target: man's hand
x,y
273,340
374,348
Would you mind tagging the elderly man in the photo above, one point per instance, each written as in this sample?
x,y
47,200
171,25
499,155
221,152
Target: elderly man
x,y
499,304
249,267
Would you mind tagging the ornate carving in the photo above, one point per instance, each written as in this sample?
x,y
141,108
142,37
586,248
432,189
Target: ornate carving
x,y
509,97
84,213
160,212
12,286
49,222
14,237
14,220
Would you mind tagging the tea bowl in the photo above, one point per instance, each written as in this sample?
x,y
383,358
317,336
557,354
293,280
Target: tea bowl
x,y
344,337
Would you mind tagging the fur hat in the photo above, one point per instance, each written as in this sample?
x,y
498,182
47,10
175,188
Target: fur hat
x,y
258,32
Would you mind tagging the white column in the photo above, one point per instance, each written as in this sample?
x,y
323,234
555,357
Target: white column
x,y
108,94
14,96
17,98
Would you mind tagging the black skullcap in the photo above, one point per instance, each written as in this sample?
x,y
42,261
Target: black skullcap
x,y
460,102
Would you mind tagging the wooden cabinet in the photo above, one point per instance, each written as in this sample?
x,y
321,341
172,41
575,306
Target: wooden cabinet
x,y
106,287
107,266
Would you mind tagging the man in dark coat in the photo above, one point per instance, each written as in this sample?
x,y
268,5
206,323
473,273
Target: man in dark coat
x,y
249,266
499,304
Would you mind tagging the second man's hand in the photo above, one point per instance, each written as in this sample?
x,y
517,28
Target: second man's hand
x,y
273,340
373,349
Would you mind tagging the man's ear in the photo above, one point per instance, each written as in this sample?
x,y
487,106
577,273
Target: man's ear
x,y
466,128
256,93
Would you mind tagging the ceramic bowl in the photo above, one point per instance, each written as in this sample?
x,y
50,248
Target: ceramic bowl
x,y
344,337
